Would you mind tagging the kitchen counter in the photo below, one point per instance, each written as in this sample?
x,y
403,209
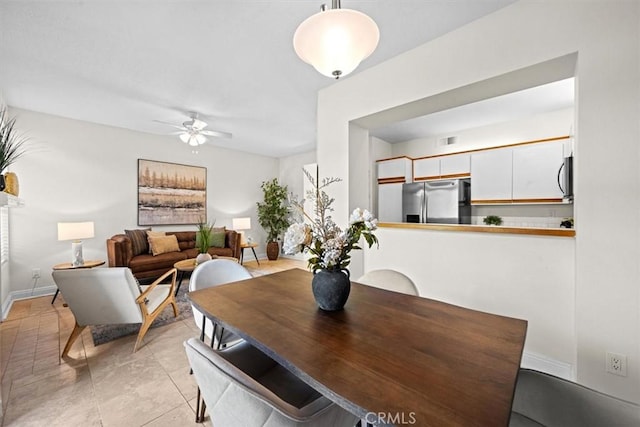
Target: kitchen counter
x,y
558,232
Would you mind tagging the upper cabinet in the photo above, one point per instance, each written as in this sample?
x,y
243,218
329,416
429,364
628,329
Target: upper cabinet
x,y
518,174
535,172
441,167
394,170
491,176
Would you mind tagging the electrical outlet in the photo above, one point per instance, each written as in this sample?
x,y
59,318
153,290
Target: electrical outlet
x,y
617,364
35,273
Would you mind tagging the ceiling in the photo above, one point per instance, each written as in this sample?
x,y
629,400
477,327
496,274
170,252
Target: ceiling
x,y
513,106
128,63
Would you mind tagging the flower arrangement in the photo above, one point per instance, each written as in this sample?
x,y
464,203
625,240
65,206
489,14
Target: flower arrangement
x,y
320,236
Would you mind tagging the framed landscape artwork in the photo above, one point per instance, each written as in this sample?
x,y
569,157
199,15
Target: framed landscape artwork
x,y
170,193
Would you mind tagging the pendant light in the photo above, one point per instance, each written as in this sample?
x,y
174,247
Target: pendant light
x,y
335,41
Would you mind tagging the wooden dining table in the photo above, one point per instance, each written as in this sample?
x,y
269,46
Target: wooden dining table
x,y
389,358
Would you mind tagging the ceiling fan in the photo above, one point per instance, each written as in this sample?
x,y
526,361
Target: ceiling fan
x,y
193,131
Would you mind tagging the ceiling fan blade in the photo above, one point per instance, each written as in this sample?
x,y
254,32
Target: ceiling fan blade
x,y
216,133
170,124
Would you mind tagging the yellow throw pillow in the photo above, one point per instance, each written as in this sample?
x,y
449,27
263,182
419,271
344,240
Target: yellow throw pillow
x,y
163,244
151,233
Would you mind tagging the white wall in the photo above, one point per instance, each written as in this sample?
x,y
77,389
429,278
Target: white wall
x,y
291,173
76,171
602,281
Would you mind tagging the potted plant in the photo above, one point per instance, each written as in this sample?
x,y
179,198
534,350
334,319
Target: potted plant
x,y
273,214
11,149
203,241
329,245
492,220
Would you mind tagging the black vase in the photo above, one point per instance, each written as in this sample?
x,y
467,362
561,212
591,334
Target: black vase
x,y
2,183
331,289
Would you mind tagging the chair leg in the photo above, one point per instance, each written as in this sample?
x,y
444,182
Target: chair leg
x,y
77,330
175,308
143,330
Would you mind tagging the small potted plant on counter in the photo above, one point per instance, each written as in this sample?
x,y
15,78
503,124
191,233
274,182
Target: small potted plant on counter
x,y
492,220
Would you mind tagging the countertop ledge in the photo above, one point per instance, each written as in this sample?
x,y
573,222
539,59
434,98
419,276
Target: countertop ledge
x,y
558,232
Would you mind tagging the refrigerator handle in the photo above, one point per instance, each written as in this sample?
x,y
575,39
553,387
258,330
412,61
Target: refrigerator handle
x,y
425,201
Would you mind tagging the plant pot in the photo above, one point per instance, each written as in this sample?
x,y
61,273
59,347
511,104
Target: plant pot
x,y
331,289
273,250
11,183
203,257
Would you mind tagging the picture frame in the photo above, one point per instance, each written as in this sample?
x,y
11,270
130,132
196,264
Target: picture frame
x,y
171,193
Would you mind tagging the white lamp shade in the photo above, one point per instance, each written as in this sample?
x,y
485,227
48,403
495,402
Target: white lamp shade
x,y
335,41
75,230
184,137
241,223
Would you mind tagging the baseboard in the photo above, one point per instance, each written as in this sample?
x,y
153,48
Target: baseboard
x,y
25,294
550,366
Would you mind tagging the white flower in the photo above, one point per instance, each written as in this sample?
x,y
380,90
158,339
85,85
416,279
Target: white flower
x,y
357,216
295,238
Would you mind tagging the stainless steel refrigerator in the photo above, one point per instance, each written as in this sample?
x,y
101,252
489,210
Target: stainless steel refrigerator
x,y
446,202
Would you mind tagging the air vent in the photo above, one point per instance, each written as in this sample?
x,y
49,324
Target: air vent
x,y
450,140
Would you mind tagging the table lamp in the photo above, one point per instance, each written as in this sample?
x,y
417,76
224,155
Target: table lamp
x,y
75,231
241,224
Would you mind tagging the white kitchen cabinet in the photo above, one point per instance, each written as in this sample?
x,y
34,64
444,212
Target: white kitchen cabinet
x,y
394,170
491,176
426,168
390,202
456,165
392,174
535,172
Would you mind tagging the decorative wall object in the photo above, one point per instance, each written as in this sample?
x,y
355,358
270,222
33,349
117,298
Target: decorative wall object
x,y
171,193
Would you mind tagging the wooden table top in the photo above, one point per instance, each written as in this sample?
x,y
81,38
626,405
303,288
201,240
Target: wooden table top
x,y
411,357
69,266
190,263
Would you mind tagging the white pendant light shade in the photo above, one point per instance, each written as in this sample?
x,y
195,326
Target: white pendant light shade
x,y
335,41
184,137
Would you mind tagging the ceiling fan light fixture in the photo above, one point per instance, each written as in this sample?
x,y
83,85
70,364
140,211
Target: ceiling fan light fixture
x,y
335,41
198,124
200,139
184,137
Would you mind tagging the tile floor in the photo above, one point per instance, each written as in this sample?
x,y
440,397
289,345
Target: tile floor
x,y
107,385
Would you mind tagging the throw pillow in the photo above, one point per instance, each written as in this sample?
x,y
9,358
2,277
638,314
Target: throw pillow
x,y
218,235
152,233
138,239
163,244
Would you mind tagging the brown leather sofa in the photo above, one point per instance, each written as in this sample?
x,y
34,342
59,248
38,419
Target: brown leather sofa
x,y
147,266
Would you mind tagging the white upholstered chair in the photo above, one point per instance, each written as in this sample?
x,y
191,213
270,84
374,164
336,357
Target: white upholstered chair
x,y
213,273
104,296
244,387
390,280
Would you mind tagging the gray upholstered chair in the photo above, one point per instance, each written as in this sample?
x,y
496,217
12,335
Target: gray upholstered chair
x,y
545,400
390,280
105,296
243,387
211,273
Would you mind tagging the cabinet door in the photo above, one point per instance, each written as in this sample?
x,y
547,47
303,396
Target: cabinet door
x,y
390,202
428,168
455,166
394,168
491,176
535,172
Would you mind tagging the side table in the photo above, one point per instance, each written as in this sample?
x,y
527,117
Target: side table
x,y
247,246
69,266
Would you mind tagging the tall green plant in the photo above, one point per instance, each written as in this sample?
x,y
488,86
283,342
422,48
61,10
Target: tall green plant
x,y
203,236
273,211
11,143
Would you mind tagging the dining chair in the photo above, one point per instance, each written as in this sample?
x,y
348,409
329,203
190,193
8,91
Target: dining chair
x,y
390,280
542,399
106,296
244,387
212,273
